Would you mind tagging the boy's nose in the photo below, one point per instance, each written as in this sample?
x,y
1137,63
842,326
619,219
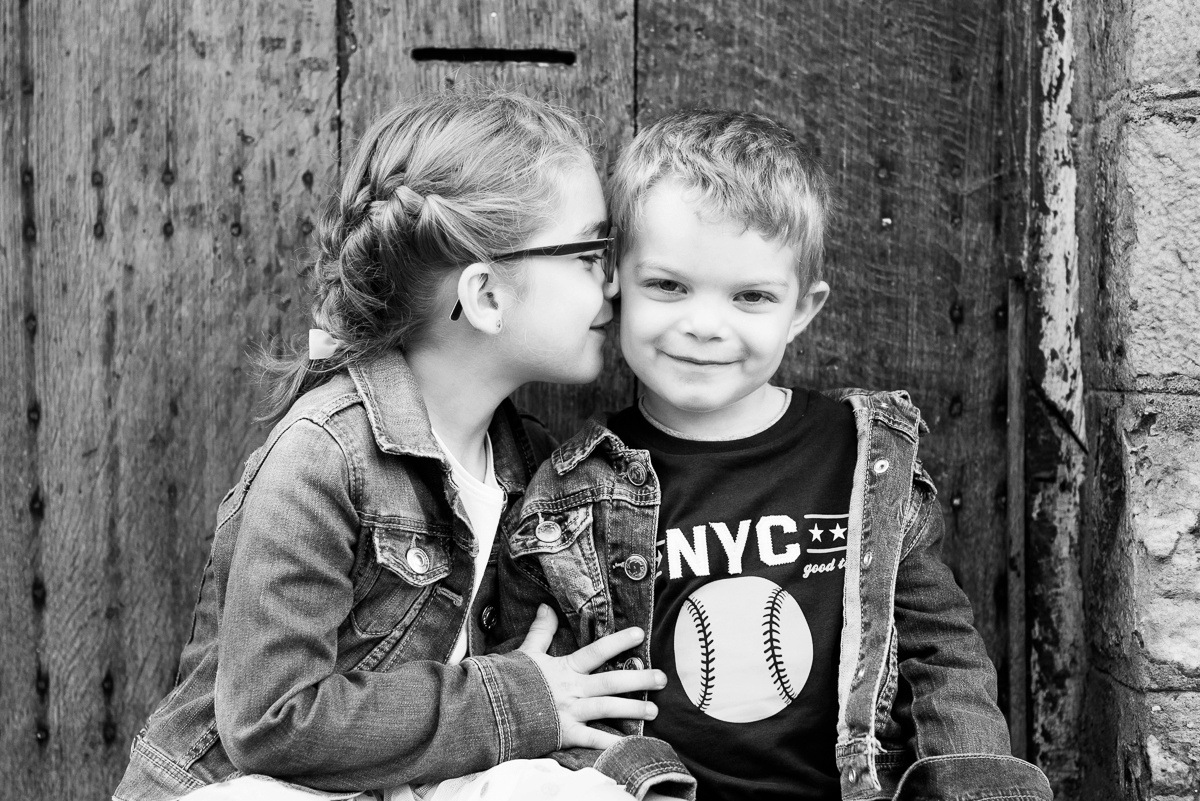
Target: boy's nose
x,y
703,322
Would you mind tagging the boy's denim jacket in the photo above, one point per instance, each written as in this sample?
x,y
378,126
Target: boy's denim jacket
x,y
338,578
916,690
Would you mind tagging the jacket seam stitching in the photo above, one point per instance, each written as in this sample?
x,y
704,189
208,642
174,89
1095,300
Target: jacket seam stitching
x,y
499,709
352,467
590,495
919,526
653,770
541,677
152,754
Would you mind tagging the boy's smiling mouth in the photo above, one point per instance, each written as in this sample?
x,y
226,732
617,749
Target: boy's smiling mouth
x,y
697,362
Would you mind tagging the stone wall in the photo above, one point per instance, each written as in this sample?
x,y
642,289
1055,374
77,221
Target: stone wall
x,y
1136,106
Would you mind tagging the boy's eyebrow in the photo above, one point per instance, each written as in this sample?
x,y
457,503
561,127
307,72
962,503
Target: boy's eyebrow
x,y
770,282
672,272
651,264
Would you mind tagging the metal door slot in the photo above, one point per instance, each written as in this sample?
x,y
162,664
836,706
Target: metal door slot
x,y
466,55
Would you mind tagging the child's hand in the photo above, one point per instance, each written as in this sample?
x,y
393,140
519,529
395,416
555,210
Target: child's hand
x,y
578,695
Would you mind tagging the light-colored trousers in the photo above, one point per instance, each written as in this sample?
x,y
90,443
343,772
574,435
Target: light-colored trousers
x,y
508,781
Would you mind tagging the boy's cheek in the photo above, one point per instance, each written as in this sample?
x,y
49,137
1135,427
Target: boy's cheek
x,y
622,329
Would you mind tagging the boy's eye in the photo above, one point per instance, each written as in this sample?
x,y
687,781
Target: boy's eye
x,y
756,298
592,259
664,285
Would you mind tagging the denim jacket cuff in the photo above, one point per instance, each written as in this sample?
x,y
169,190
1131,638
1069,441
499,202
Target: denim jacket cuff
x,y
642,764
526,719
978,777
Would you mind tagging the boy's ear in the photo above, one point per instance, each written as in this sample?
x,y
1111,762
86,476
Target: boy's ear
x,y
480,302
808,307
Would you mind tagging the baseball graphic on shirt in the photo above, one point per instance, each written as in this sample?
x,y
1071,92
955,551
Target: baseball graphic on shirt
x,y
743,649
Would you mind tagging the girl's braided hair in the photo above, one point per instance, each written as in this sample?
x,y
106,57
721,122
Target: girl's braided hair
x,y
439,182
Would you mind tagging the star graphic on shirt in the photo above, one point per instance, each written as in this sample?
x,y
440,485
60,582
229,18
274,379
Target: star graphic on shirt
x,y
839,532
816,532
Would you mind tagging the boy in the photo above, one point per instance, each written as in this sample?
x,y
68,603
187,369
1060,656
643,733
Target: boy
x,y
779,546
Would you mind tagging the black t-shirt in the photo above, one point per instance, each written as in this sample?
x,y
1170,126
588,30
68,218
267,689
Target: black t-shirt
x,y
748,599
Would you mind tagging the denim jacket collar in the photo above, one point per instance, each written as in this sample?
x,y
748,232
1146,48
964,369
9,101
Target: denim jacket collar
x,y
894,409
580,446
400,421
395,407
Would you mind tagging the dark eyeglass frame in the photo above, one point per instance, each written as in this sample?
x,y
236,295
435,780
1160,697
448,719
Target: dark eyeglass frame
x,y
569,249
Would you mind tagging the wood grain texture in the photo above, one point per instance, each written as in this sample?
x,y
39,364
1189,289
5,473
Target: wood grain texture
x,y
149,143
899,101
379,71
22,708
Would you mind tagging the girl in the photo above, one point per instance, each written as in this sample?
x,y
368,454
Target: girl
x,y
348,579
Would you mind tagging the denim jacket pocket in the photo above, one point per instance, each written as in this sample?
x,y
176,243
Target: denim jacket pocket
x,y
542,532
406,564
555,549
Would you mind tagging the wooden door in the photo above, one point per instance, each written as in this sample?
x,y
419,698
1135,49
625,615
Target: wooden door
x,y
162,164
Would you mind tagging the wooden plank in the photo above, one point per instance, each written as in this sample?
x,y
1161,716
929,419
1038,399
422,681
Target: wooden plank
x,y
148,144
1067,152
20,625
1018,633
899,101
1016,215
71,631
380,69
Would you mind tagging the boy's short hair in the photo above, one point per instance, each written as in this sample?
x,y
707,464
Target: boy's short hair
x,y
745,167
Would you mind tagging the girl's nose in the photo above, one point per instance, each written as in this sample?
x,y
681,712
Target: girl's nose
x,y
612,288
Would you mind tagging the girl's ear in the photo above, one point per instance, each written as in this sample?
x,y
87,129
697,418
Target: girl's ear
x,y
808,307
480,302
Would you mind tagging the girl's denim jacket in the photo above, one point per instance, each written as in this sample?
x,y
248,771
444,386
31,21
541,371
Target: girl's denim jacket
x,y
335,591
916,690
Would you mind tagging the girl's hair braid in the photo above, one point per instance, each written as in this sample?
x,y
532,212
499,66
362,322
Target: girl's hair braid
x,y
439,182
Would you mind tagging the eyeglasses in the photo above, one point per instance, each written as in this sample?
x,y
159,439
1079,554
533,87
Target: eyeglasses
x,y
569,249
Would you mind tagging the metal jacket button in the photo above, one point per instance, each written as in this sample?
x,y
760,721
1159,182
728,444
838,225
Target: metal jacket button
x,y
867,559
634,663
637,474
418,560
487,618
881,466
548,531
636,567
